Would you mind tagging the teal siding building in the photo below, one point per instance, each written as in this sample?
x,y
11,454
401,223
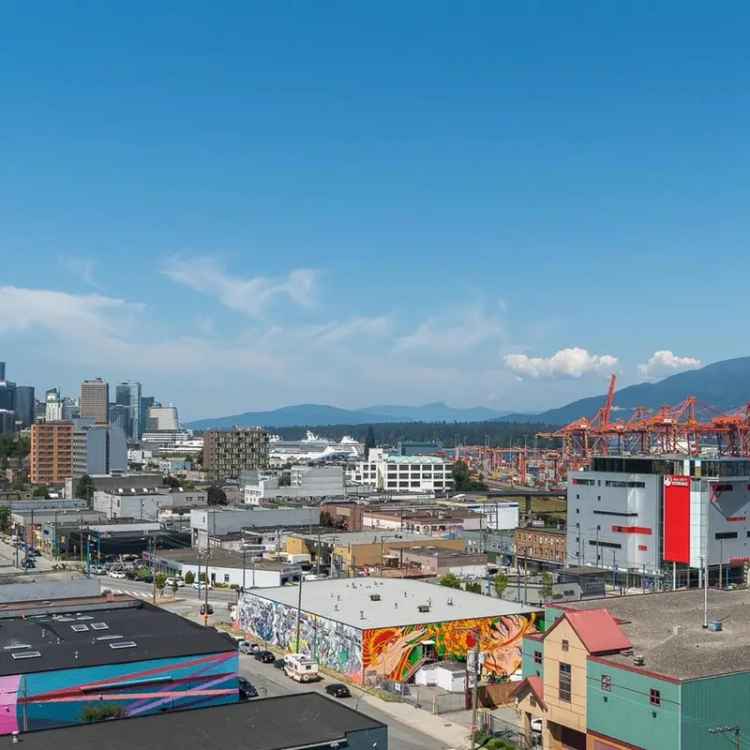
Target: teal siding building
x,y
676,686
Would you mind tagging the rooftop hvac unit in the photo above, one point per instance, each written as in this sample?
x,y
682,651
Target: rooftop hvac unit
x,y
423,607
374,597
639,660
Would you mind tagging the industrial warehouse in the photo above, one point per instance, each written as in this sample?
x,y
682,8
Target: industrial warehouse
x,y
376,629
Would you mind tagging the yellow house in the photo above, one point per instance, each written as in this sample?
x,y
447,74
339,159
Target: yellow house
x,y
556,695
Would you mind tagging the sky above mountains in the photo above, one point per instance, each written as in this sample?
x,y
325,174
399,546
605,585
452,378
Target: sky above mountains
x,y
250,205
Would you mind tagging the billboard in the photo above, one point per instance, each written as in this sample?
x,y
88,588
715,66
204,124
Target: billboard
x,y
677,518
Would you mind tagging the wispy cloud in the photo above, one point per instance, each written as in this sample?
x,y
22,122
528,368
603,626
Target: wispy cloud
x,y
455,332
664,362
250,296
82,268
573,362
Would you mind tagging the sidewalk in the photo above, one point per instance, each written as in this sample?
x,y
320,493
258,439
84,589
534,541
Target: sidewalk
x,y
442,728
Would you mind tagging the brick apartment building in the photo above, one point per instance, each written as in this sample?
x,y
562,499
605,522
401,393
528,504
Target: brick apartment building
x,y
51,452
542,545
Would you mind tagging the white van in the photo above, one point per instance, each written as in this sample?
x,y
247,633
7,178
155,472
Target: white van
x,y
301,668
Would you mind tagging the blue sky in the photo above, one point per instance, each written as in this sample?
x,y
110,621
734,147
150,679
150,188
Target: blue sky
x,y
248,205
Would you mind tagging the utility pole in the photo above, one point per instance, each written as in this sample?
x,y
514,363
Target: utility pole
x,y
244,556
477,672
153,566
705,594
205,588
525,575
299,610
735,730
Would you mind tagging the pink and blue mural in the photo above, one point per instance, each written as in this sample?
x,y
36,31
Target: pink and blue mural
x,y
42,700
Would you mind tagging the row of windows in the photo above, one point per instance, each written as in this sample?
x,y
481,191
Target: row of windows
x,y
612,483
654,695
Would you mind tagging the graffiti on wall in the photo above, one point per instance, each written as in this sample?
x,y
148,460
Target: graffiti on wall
x,y
333,644
396,653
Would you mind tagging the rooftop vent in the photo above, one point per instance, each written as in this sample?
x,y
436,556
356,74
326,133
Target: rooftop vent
x,y
361,614
26,654
374,597
450,601
123,644
639,660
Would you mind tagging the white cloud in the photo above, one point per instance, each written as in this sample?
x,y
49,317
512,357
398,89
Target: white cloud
x,y
664,362
571,363
250,296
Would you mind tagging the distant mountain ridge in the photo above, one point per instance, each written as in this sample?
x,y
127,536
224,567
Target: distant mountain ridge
x,y
322,414
724,386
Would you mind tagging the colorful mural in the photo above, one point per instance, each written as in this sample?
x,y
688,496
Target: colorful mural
x,y
333,644
66,697
396,653
386,653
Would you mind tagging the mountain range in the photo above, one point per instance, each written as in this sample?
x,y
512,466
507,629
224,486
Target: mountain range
x,y
321,414
723,386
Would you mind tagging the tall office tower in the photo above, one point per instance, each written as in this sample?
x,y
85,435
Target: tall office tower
x,y
51,452
129,394
25,404
53,405
7,395
95,400
119,415
7,422
147,402
226,454
2,370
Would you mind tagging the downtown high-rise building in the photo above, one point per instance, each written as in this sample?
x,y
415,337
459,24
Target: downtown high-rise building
x,y
128,394
95,400
51,458
25,405
226,454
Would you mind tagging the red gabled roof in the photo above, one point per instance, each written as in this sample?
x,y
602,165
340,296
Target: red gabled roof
x,y
598,630
536,685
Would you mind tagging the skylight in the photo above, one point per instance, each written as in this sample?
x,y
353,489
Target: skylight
x,y
79,628
123,644
99,626
26,654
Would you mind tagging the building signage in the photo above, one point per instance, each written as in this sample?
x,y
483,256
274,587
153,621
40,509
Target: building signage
x,y
677,519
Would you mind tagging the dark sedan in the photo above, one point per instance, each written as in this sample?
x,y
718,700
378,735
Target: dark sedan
x,y
338,690
247,689
265,656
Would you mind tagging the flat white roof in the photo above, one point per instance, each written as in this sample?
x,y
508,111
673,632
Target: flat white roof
x,y
347,600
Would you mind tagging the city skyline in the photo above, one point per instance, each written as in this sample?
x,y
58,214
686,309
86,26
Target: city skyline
x,y
323,206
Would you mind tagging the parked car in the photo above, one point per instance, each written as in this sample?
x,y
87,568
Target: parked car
x,y
99,570
279,664
247,689
265,656
207,609
248,648
202,585
116,574
338,690
173,581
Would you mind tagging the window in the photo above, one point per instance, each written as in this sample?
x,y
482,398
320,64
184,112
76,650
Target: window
x,y
726,535
226,577
565,682
565,645
537,657
655,697
607,683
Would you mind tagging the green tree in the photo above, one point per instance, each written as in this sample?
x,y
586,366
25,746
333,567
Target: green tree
x,y
474,587
190,578
4,518
172,482
161,581
84,488
462,478
451,580
547,582
216,496
501,583
40,491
